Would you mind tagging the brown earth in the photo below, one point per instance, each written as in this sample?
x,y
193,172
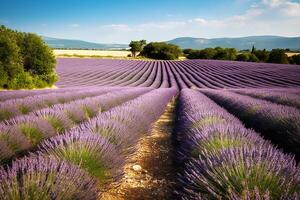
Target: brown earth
x,y
149,173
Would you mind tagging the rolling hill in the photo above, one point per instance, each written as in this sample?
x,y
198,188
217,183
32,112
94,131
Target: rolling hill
x,y
260,42
79,44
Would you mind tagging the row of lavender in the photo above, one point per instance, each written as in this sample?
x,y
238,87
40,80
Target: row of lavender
x,y
23,133
95,151
276,122
220,159
177,74
20,106
288,97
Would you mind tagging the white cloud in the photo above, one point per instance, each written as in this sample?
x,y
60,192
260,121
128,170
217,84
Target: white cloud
x,y
285,7
74,25
266,17
291,9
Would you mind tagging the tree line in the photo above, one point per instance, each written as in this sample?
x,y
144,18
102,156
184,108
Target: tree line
x,y
165,51
25,61
218,53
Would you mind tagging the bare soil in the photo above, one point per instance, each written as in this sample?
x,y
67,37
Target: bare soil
x,y
149,173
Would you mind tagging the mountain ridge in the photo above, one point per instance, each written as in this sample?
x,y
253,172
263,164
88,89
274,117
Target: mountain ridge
x,y
260,42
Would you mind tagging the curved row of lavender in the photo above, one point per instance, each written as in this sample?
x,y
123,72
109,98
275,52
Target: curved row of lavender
x,y
16,94
22,133
221,159
22,106
179,74
286,97
278,123
95,152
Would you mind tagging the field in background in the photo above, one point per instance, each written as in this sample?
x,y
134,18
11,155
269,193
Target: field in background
x,y
91,53
291,54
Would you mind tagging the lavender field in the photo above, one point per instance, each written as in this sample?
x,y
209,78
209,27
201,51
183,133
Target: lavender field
x,y
233,132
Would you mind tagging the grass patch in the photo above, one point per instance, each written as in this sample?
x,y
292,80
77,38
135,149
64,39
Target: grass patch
x,y
56,124
24,109
83,157
4,114
32,133
207,121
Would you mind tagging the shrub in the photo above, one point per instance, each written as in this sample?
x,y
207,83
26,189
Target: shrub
x,y
278,56
262,55
253,58
161,50
242,57
295,59
25,61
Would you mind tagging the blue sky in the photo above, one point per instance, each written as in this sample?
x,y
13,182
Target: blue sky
x,y
119,21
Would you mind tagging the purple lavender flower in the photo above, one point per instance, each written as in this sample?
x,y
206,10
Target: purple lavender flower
x,y
45,178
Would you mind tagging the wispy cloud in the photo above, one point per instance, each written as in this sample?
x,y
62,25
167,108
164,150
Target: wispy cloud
x,y
74,25
267,17
288,8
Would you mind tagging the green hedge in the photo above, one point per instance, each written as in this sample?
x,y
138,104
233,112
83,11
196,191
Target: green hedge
x,y
25,61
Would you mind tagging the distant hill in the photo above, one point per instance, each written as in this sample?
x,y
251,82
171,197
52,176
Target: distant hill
x,y
260,42
79,44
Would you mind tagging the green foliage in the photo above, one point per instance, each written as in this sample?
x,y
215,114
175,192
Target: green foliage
x,y
278,56
161,50
253,58
25,61
136,46
295,59
217,53
242,57
262,55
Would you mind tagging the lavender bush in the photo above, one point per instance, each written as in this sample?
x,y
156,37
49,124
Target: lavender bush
x,y
45,178
280,124
221,159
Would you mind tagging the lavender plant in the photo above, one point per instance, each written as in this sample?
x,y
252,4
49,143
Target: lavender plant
x,y
278,123
88,151
45,178
224,160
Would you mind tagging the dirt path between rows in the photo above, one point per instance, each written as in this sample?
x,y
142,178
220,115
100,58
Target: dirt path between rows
x,y
150,173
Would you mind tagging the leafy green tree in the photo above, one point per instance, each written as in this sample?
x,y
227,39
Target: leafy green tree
x,y
38,58
3,76
242,57
188,51
161,50
25,60
262,55
10,53
253,58
278,56
295,59
231,53
253,49
137,46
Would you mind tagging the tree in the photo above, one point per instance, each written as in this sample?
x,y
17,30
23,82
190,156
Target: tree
x,y
295,59
25,60
188,51
38,58
262,55
242,57
161,50
253,58
10,53
137,46
278,56
253,49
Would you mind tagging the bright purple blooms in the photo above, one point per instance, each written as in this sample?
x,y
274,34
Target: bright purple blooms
x,y
220,159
